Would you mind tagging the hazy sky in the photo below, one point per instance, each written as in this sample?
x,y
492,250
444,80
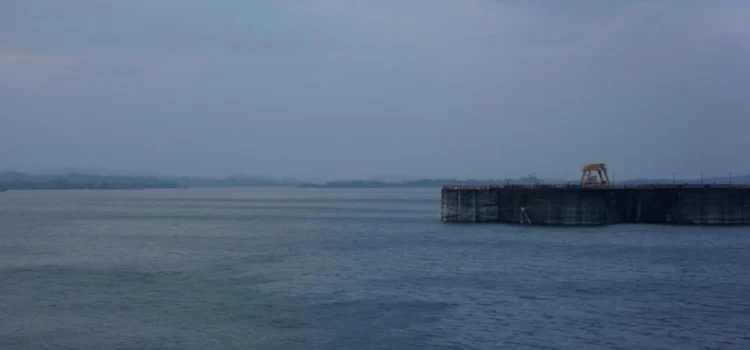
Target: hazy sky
x,y
354,88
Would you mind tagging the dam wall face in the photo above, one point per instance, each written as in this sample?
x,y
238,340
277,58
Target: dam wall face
x,y
572,205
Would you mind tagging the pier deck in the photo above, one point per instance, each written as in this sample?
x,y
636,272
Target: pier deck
x,y
576,205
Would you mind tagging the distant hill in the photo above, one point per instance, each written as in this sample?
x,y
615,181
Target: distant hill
x,y
23,181
718,180
104,179
95,171
426,183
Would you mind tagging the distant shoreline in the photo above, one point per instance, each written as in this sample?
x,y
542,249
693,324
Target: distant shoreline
x,y
10,181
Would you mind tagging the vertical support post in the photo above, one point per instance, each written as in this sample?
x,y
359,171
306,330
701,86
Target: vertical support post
x,y
459,210
638,212
701,208
549,209
476,205
442,204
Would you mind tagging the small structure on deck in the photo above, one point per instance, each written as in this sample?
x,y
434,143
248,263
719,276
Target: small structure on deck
x,y
588,179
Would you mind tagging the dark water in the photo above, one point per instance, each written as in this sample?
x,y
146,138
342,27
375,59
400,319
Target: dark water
x,y
346,269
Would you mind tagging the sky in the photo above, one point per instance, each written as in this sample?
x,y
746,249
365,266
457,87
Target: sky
x,y
336,89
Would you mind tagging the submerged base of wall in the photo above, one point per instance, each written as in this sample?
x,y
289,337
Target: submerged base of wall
x,y
578,206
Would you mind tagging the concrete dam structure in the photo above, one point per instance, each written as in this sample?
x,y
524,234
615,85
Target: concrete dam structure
x,y
603,205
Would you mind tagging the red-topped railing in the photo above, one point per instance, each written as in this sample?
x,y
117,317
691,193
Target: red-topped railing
x,y
540,186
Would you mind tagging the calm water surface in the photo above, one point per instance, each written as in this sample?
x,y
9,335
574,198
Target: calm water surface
x,y
352,269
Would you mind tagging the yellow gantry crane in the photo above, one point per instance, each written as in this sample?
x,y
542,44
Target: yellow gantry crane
x,y
588,179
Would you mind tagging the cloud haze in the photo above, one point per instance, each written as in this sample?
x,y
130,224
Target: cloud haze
x,y
341,89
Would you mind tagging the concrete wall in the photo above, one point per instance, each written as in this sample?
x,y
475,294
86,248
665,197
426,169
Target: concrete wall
x,y
575,206
553,207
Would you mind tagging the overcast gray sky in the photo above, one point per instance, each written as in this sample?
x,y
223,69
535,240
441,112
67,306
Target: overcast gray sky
x,y
343,89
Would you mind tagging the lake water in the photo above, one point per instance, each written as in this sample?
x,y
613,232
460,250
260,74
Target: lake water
x,y
352,269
